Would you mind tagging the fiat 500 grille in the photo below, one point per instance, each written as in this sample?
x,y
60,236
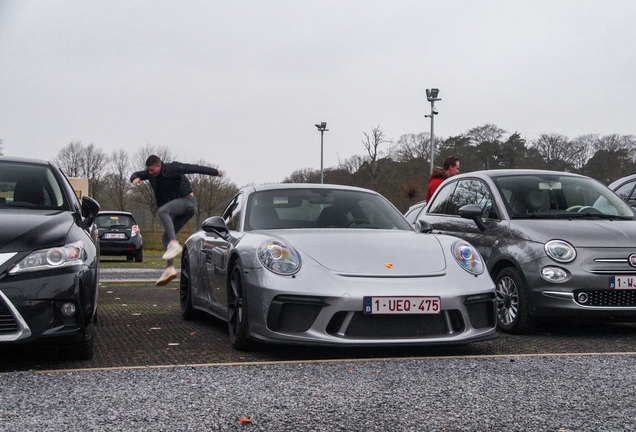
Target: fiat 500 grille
x,y
7,323
608,298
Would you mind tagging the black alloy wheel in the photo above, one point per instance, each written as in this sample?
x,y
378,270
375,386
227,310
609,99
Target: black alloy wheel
x,y
188,313
237,323
513,311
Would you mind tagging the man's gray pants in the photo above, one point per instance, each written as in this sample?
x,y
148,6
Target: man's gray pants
x,y
174,215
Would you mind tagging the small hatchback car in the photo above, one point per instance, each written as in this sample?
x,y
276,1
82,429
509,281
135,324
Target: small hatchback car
x,y
48,259
119,235
556,244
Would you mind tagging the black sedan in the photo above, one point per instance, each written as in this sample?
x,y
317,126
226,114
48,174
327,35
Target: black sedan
x,y
556,244
48,259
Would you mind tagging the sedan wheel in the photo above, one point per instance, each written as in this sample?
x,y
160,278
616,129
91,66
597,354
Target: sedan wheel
x,y
185,290
513,314
237,312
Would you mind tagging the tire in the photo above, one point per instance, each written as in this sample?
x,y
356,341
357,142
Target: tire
x,y
237,322
188,313
139,255
129,257
513,310
82,351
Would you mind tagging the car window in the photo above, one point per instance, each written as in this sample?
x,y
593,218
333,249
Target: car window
x,y
440,201
232,213
552,195
29,185
321,208
627,194
413,213
471,191
114,221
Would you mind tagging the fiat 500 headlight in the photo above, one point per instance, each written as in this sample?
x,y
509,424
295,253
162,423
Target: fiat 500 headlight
x,y
467,257
560,250
279,258
68,255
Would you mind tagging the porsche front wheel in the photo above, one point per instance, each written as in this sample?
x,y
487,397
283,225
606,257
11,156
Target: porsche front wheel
x,y
237,322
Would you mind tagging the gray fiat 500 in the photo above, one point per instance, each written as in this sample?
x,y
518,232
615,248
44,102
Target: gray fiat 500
x,y
556,244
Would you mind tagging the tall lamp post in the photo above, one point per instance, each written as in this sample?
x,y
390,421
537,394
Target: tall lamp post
x,y
431,95
322,127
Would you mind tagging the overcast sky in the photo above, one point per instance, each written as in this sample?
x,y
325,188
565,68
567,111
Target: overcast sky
x,y
241,84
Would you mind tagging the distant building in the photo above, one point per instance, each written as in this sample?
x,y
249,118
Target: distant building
x,y
80,184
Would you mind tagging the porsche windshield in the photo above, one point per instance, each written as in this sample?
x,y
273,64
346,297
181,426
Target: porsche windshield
x,y
29,185
321,208
549,196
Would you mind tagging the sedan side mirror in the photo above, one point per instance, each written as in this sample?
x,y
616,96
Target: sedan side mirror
x,y
473,212
423,227
90,208
215,224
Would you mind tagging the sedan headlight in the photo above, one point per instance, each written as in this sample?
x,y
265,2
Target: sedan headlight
x,y
467,257
279,258
68,255
560,250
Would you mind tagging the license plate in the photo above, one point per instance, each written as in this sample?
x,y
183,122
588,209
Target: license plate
x,y
622,282
114,236
402,305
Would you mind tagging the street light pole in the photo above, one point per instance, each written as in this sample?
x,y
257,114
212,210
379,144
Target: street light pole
x,y
431,96
322,127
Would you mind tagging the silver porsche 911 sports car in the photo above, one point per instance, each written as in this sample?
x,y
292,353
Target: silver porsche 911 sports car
x,y
332,265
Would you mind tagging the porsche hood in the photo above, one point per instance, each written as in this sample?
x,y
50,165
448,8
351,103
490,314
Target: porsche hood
x,y
362,252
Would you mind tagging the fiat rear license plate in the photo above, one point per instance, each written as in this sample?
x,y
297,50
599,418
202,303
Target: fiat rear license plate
x,y
114,236
622,282
402,305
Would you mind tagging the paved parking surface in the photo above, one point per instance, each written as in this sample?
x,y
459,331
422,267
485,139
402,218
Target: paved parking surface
x,y
140,325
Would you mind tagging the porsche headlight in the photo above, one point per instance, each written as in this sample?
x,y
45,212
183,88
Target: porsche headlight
x,y
279,258
467,257
560,250
70,254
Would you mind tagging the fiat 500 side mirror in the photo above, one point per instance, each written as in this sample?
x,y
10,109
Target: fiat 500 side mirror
x,y
473,212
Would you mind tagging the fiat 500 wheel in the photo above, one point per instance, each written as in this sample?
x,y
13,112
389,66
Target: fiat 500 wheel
x,y
513,314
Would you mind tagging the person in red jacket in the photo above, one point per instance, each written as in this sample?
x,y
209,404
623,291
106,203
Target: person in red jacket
x,y
450,168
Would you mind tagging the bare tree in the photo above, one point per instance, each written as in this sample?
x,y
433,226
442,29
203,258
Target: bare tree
x,y
304,175
583,148
556,150
78,160
118,178
413,146
95,163
372,144
70,159
486,133
212,193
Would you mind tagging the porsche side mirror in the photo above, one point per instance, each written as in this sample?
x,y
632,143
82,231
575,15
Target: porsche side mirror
x,y
423,227
90,208
473,212
215,224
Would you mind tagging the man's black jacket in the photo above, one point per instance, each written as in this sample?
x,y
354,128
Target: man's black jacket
x,y
172,183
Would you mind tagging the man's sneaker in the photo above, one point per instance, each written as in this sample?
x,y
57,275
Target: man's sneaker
x,y
173,250
167,276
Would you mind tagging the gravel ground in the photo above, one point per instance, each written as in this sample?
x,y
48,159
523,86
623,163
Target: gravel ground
x,y
554,393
